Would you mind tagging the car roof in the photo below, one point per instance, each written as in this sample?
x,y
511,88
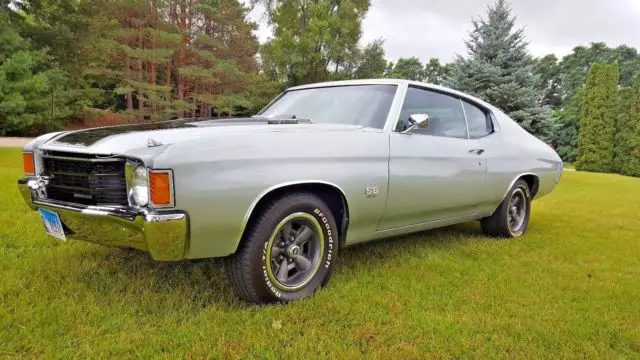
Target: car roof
x,y
396,82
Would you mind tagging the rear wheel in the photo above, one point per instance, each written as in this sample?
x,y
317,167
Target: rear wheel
x,y
288,252
511,218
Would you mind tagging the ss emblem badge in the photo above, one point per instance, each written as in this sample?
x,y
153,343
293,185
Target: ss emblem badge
x,y
371,191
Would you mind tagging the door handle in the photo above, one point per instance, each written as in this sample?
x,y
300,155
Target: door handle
x,y
476,151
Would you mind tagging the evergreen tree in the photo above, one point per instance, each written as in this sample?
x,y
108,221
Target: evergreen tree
x,y
175,58
597,123
626,159
33,94
500,70
566,127
624,129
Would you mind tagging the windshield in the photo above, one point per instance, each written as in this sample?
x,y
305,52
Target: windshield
x,y
365,105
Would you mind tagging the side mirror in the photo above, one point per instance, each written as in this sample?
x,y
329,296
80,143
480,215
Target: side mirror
x,y
418,121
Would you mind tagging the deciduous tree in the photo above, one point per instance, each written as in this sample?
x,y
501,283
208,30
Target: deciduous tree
x,y
313,39
409,69
435,72
371,63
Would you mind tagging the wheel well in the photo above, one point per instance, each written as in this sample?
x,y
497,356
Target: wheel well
x,y
533,182
331,195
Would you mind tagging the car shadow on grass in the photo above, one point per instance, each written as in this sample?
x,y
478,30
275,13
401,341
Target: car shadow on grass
x,y
202,283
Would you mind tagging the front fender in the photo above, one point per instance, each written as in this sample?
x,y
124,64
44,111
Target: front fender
x,y
219,182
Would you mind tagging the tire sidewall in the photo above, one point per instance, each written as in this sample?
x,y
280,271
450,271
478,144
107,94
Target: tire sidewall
x,y
312,206
520,185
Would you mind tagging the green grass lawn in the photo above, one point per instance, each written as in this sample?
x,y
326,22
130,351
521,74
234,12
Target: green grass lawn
x,y
569,288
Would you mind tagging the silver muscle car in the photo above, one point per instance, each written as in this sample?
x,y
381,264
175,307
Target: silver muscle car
x,y
322,167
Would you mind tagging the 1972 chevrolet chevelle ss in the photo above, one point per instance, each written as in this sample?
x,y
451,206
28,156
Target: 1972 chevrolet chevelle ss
x,y
322,167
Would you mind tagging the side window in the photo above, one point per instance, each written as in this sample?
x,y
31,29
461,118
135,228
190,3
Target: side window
x,y
479,121
446,117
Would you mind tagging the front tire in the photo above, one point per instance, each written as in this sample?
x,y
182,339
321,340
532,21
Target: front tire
x,y
511,218
287,253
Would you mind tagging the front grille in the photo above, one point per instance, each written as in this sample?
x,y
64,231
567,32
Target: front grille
x,y
85,179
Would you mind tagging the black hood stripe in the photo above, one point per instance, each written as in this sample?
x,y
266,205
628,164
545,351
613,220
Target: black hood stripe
x,y
91,136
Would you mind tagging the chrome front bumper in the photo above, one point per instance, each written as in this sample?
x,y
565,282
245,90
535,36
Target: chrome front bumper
x,y
163,234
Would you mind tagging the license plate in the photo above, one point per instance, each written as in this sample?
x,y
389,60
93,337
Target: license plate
x,y
52,224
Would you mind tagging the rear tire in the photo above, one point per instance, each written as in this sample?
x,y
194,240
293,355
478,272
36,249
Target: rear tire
x,y
511,218
287,253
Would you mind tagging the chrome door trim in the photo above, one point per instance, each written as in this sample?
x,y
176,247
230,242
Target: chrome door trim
x,y
396,107
466,120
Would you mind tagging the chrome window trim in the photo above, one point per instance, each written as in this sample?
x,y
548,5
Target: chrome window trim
x,y
486,111
383,128
433,90
396,108
466,119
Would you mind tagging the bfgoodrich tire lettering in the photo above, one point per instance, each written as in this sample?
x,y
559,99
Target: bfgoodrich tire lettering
x,y
511,218
287,253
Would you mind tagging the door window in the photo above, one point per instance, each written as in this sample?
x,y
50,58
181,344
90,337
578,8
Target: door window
x,y
479,121
446,116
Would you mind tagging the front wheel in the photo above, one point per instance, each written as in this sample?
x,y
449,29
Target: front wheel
x,y
512,216
288,252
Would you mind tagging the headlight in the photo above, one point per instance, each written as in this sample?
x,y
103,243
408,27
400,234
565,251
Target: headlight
x,y
139,187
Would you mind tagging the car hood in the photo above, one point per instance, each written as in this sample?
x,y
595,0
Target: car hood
x,y
125,138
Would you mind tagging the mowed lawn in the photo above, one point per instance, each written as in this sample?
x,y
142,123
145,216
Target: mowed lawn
x,y
569,288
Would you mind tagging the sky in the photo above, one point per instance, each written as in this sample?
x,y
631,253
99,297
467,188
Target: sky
x,y
438,28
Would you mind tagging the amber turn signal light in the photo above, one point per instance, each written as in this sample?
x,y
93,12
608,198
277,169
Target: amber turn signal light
x,y
28,163
160,187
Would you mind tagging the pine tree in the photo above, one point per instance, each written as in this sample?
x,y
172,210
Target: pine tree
x,y
626,159
500,70
597,123
181,58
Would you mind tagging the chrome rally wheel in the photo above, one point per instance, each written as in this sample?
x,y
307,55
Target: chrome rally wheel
x,y
511,218
287,253
517,210
295,249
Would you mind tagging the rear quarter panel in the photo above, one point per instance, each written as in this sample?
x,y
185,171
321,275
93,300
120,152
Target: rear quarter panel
x,y
513,152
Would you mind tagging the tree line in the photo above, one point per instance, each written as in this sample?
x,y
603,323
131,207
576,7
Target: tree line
x,y
147,60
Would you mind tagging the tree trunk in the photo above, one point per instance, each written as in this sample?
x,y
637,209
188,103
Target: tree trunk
x,y
153,72
128,94
182,53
